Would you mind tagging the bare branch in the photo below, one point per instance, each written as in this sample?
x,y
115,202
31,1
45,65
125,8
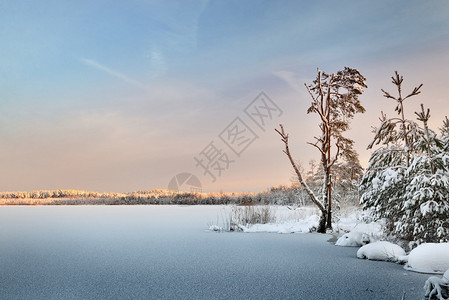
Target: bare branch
x,y
320,84
334,160
316,146
387,94
312,196
328,98
310,92
398,82
415,91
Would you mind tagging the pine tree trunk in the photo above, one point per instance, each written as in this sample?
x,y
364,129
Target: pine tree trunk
x,y
327,165
322,224
325,196
329,199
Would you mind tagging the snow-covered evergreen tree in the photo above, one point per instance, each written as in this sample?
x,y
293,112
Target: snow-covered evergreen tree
x,y
407,180
426,207
346,179
445,128
383,182
445,133
425,210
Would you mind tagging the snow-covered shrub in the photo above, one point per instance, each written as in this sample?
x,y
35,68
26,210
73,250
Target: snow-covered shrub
x,y
381,251
429,258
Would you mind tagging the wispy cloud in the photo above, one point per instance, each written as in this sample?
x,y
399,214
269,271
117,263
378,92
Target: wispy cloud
x,y
114,73
294,82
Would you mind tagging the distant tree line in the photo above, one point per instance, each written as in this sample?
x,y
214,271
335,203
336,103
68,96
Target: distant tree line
x,y
281,195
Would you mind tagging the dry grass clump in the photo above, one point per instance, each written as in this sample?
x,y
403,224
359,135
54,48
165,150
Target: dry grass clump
x,y
242,216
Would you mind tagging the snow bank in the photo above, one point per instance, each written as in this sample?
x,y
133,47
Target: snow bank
x,y
357,222
353,239
301,226
429,258
381,251
358,231
289,219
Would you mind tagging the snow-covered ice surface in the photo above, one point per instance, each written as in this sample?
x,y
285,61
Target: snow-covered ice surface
x,y
429,258
381,250
167,252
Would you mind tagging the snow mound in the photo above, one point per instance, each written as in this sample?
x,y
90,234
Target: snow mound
x,y
353,239
354,224
381,251
429,258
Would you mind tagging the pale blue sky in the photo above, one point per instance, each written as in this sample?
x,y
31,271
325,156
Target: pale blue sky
x,y
121,95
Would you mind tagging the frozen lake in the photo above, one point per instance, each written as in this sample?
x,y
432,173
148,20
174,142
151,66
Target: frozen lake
x,y
165,252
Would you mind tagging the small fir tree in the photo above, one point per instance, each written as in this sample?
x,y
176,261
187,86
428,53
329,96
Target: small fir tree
x,y
407,180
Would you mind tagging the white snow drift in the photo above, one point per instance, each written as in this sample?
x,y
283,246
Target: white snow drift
x,y
299,226
381,251
429,258
353,239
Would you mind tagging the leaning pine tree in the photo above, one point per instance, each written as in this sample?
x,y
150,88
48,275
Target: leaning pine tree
x,y
407,180
335,101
